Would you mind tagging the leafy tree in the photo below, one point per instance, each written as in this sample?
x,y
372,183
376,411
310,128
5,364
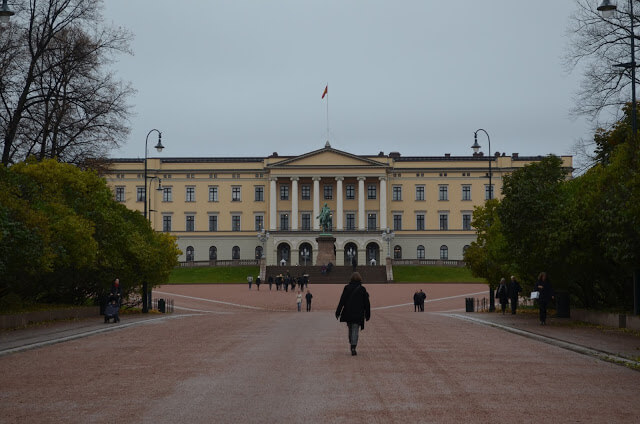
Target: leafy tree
x,y
487,256
58,97
66,239
531,215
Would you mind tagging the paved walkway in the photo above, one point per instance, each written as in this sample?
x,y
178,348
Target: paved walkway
x,y
230,355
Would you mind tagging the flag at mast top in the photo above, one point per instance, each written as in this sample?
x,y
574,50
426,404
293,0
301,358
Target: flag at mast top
x,y
326,90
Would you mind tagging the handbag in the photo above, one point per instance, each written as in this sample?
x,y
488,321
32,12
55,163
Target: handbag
x,y
535,295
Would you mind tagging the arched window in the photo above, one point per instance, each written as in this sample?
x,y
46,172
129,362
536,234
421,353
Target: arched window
x,y
420,252
464,249
235,252
190,254
306,254
258,252
397,252
213,253
444,252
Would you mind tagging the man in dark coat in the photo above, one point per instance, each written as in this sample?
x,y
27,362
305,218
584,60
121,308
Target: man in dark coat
x,y
354,308
543,286
513,290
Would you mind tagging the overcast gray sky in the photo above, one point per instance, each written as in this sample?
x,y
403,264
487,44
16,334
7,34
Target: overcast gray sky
x,y
245,77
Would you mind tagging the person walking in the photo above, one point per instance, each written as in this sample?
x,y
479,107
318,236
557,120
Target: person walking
x,y
422,296
502,294
512,290
299,301
308,298
354,308
250,281
416,302
270,281
258,282
543,286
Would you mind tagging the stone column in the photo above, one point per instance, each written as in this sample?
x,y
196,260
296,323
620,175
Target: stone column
x,y
383,202
361,221
339,211
294,203
316,203
272,203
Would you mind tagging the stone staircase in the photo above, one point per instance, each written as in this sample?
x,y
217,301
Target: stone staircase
x,y
338,275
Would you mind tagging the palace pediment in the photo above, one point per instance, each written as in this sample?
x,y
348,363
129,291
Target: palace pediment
x,y
328,158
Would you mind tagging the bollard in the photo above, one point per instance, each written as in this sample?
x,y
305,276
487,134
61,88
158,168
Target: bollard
x,y
469,304
161,305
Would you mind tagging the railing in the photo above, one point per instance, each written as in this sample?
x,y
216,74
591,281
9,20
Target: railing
x,y
432,262
221,262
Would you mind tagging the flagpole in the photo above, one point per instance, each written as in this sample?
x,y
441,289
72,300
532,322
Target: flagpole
x,y
327,111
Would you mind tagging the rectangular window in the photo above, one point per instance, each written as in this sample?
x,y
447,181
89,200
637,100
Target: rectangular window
x,y
372,222
488,192
191,223
167,195
466,192
351,192
235,222
397,193
235,194
284,221
397,222
306,192
119,194
166,223
328,192
466,222
351,221
443,191
420,222
140,194
259,197
419,192
444,221
213,222
306,221
371,191
259,222
191,194
213,193
284,192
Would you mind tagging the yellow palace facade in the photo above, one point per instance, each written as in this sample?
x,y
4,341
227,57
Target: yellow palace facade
x,y
412,209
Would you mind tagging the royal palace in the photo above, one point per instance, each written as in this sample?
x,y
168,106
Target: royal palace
x,y
413,209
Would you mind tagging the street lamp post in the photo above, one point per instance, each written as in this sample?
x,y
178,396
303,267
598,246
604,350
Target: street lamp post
x,y
351,254
5,13
387,236
149,189
159,148
263,236
476,147
145,292
305,255
608,8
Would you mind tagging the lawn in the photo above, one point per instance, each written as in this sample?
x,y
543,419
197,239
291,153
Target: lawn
x,y
205,275
433,274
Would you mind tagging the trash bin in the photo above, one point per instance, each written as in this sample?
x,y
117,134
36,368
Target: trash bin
x,y
161,305
562,305
469,304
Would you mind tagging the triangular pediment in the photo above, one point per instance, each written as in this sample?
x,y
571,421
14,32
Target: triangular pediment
x,y
328,157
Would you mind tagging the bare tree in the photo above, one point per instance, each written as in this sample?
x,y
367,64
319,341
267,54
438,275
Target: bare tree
x,y
59,98
598,44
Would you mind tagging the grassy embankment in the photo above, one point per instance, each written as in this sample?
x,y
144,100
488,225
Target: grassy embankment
x,y
401,274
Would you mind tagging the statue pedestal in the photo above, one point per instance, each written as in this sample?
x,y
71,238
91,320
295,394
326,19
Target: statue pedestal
x,y
326,249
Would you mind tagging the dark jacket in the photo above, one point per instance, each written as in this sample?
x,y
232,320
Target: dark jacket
x,y
514,289
545,289
354,306
501,293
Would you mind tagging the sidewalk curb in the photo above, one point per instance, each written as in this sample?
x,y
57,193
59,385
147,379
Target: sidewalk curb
x,y
88,333
598,354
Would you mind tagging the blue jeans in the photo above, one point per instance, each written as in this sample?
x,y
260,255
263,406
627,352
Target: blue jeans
x,y
354,329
